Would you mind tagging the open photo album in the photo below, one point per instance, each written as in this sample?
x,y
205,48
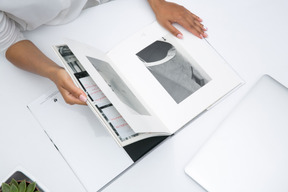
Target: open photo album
x,y
151,84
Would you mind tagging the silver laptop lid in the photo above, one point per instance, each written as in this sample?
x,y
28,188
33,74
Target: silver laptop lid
x,y
249,151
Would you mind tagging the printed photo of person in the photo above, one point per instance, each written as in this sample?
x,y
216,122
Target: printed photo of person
x,y
173,71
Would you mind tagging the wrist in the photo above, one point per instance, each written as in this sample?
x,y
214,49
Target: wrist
x,y
52,72
155,3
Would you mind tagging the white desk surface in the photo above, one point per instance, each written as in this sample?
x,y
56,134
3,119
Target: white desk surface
x,y
250,35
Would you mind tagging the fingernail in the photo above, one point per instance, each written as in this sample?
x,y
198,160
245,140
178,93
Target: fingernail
x,y
83,98
180,36
206,28
205,35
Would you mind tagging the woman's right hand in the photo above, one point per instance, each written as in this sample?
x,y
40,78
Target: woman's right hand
x,y
25,55
69,91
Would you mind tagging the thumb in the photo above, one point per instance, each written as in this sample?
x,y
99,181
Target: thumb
x,y
69,91
75,91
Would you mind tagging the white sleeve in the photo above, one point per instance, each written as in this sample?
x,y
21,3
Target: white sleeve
x,y
9,32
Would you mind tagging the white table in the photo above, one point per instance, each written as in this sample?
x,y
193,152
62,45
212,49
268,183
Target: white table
x,y
250,35
24,146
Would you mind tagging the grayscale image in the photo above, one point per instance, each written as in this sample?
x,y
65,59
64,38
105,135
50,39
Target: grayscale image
x,y
176,73
118,86
70,59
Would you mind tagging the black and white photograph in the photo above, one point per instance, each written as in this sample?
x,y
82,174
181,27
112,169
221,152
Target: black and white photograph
x,y
174,70
118,86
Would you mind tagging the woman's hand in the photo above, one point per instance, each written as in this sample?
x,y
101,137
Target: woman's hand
x,y
25,55
69,91
168,13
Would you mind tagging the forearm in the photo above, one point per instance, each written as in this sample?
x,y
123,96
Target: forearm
x,y
25,55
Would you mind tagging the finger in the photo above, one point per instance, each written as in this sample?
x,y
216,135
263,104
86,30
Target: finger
x,y
70,92
70,99
74,90
173,30
194,26
198,21
191,28
200,25
196,17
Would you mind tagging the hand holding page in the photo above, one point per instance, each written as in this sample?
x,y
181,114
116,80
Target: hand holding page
x,y
98,102
157,82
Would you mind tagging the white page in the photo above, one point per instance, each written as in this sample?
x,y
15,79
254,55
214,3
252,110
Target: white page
x,y
120,128
217,76
94,91
139,121
85,144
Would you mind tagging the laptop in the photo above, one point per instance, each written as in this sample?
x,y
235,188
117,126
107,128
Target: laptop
x,y
249,150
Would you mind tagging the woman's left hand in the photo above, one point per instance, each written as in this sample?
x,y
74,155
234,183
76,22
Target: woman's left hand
x,y
168,13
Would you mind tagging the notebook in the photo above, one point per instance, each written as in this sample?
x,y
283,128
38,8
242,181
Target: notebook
x,y
249,150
